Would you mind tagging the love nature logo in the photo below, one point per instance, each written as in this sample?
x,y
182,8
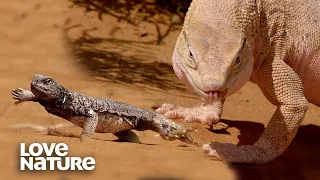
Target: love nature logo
x,y
41,157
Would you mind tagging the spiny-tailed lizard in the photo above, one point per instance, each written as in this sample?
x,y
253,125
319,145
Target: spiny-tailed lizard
x,y
273,43
97,115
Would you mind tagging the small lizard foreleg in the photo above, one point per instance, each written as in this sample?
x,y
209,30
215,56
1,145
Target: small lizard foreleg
x,y
22,95
90,125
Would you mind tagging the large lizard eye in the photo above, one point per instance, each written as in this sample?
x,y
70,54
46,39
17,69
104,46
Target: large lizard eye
x,y
190,54
191,61
238,61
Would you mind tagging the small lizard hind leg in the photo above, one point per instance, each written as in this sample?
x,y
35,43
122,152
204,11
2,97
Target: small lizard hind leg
x,y
127,136
22,95
90,125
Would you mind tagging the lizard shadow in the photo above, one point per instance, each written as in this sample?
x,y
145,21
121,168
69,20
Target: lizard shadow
x,y
71,135
123,141
301,160
249,131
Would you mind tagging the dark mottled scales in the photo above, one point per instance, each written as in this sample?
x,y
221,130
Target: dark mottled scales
x,y
97,115
113,116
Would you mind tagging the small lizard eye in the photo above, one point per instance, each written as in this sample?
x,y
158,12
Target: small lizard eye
x,y
48,81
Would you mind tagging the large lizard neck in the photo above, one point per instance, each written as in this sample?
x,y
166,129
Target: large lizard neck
x,y
247,17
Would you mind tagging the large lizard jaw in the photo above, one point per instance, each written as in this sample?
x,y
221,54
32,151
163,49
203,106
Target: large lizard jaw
x,y
210,97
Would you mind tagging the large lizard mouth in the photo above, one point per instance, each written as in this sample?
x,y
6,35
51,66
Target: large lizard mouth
x,y
211,96
214,96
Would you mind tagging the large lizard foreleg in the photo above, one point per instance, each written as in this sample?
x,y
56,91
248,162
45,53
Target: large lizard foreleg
x,y
206,114
283,88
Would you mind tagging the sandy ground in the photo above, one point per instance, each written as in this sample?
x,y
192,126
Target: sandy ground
x,y
96,54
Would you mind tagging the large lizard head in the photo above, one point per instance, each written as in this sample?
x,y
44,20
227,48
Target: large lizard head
x,y
211,56
45,88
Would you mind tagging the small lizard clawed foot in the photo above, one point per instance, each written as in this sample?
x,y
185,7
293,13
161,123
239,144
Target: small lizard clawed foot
x,y
21,95
18,94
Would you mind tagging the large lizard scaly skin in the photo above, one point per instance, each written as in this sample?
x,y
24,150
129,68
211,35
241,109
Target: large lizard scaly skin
x,y
98,115
275,44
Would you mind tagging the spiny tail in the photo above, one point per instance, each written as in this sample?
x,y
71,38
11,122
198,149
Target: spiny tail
x,y
170,130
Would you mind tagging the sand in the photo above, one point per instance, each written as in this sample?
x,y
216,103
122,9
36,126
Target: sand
x,y
97,54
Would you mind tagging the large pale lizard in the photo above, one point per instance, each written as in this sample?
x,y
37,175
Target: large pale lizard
x,y
273,43
98,115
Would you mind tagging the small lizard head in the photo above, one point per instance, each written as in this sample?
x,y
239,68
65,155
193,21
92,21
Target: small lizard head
x,y
45,88
214,59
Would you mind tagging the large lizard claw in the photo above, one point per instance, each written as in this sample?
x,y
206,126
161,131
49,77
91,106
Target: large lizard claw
x,y
207,114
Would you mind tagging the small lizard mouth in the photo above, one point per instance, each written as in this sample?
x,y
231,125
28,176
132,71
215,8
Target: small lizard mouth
x,y
39,88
